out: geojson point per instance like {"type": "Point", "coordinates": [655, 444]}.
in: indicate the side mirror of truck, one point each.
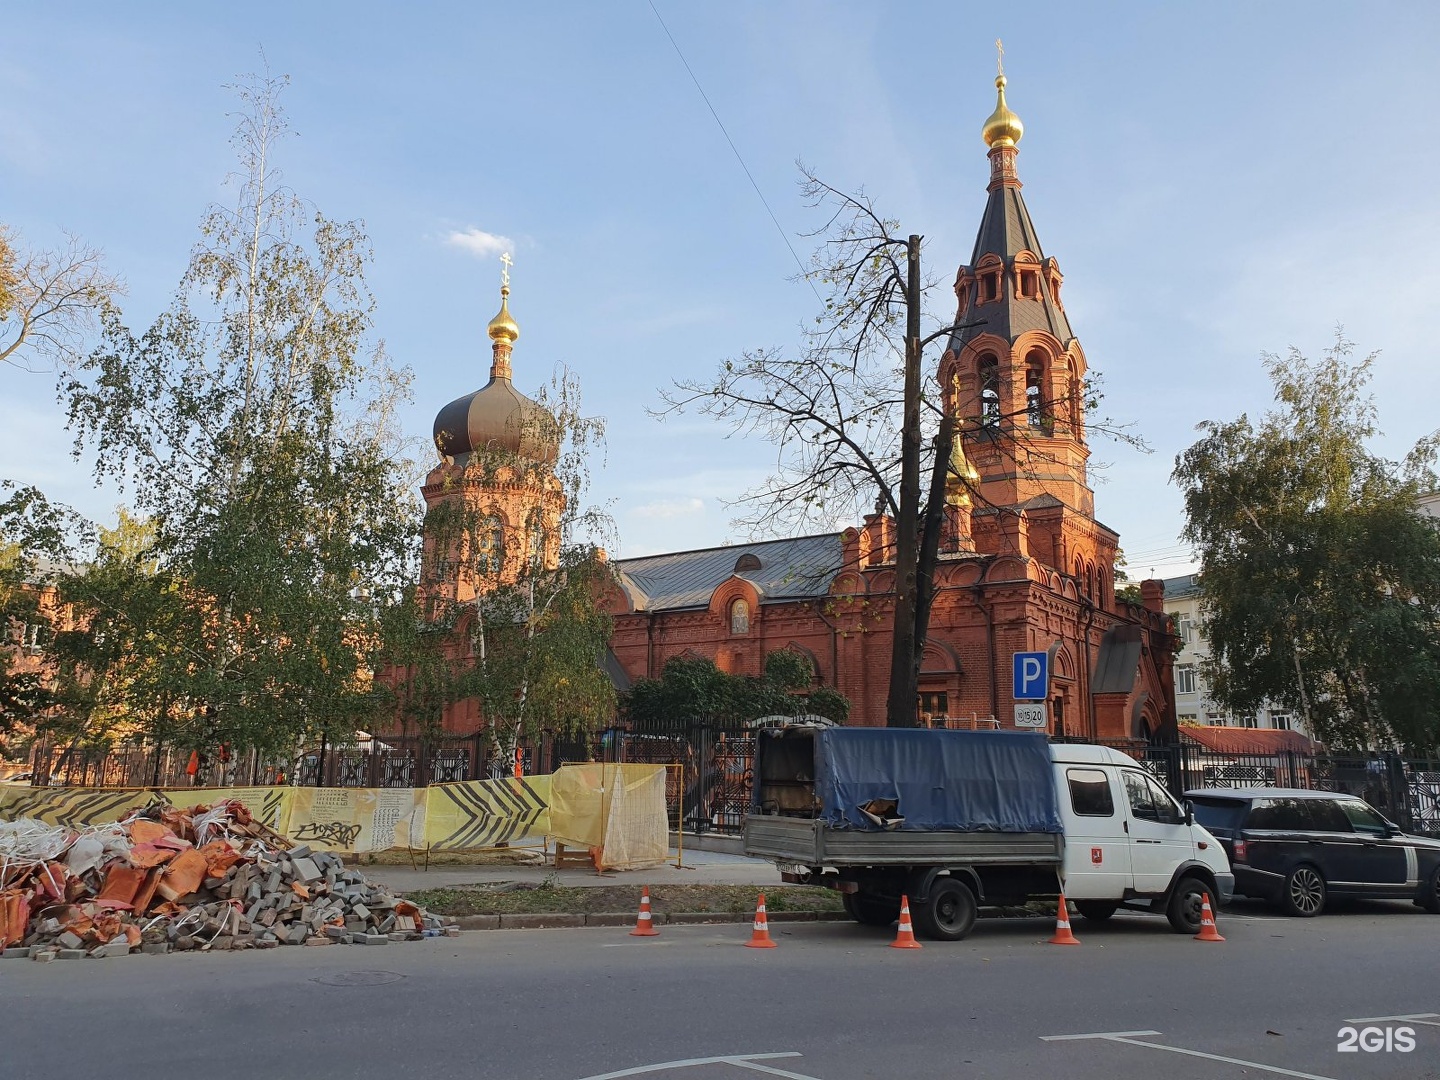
{"type": "Point", "coordinates": [1189, 812]}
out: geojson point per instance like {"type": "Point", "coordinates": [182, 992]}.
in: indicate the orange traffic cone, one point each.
{"type": "Point", "coordinates": [1063, 936]}
{"type": "Point", "coordinates": [760, 939]}
{"type": "Point", "coordinates": [644, 924]}
{"type": "Point", "coordinates": [1207, 921]}
{"type": "Point", "coordinates": [905, 938]}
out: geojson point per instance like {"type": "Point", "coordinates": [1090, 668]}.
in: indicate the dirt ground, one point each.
{"type": "Point", "coordinates": [513, 898]}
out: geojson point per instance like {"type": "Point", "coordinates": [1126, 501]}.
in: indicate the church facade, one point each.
{"type": "Point", "coordinates": [1025, 566]}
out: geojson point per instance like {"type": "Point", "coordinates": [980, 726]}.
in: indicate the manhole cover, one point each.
{"type": "Point", "coordinates": [358, 978]}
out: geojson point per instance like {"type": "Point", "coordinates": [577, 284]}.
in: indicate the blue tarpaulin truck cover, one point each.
{"type": "Point", "coordinates": [963, 781]}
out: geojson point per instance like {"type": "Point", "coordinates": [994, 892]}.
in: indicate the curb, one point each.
{"type": "Point", "coordinates": [558, 920]}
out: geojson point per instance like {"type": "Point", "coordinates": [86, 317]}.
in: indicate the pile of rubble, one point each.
{"type": "Point", "coordinates": [210, 877]}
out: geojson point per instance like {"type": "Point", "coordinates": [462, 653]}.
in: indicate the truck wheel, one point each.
{"type": "Point", "coordinates": [1304, 892]}
{"type": "Point", "coordinates": [1095, 910]}
{"type": "Point", "coordinates": [949, 914]}
{"type": "Point", "coordinates": [870, 910]}
{"type": "Point", "coordinates": [1183, 911]}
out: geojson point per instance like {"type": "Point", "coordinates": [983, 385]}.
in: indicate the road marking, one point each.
{"type": "Point", "coordinates": [1429, 1019]}
{"type": "Point", "coordinates": [1127, 1038]}
{"type": "Point", "coordinates": [773, 1072]}
{"type": "Point", "coordinates": [1096, 1035]}
{"type": "Point", "coordinates": [744, 1061]}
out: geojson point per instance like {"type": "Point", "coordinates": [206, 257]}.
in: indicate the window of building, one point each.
{"type": "Point", "coordinates": [1090, 793]}
{"type": "Point", "coordinates": [1189, 718]}
{"type": "Point", "coordinates": [989, 390]}
{"type": "Point", "coordinates": [1280, 720]}
{"type": "Point", "coordinates": [933, 705]}
{"type": "Point", "coordinates": [490, 549]}
{"type": "Point", "coordinates": [1035, 410]}
{"type": "Point", "coordinates": [1074, 381]}
{"type": "Point", "coordinates": [990, 287]}
{"type": "Point", "coordinates": [1030, 284]}
{"type": "Point", "coordinates": [1184, 678]}
{"type": "Point", "coordinates": [740, 616]}
{"type": "Point", "coordinates": [1185, 627]}
{"type": "Point", "coordinates": [1249, 722]}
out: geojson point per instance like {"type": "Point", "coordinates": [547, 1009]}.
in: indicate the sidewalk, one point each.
{"type": "Point", "coordinates": [700, 868]}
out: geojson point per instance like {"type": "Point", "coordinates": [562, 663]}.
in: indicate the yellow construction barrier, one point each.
{"type": "Point", "coordinates": [617, 811]}
{"type": "Point", "coordinates": [486, 813]}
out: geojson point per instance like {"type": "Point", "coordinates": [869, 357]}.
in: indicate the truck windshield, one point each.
{"type": "Point", "coordinates": [1219, 815]}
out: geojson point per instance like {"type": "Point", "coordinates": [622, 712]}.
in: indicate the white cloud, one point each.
{"type": "Point", "coordinates": [670, 508]}
{"type": "Point", "coordinates": [478, 242]}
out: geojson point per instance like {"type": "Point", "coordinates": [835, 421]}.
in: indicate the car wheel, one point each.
{"type": "Point", "coordinates": [1186, 898]}
{"type": "Point", "coordinates": [949, 913]}
{"type": "Point", "coordinates": [1430, 898]}
{"type": "Point", "coordinates": [1095, 910]}
{"type": "Point", "coordinates": [870, 910]}
{"type": "Point", "coordinates": [1304, 892]}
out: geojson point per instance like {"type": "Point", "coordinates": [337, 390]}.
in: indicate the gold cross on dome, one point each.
{"type": "Point", "coordinates": [505, 273]}
{"type": "Point", "coordinates": [999, 57]}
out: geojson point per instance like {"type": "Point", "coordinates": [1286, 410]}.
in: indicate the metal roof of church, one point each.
{"type": "Point", "coordinates": [790, 569]}
{"type": "Point", "coordinates": [1006, 230]}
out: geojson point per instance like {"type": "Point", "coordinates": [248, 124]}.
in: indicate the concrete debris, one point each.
{"type": "Point", "coordinates": [166, 879]}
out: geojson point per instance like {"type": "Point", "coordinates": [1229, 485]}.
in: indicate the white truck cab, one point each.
{"type": "Point", "coordinates": [1128, 841]}
{"type": "Point", "coordinates": [957, 820]}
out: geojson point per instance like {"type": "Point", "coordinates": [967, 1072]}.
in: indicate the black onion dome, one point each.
{"type": "Point", "coordinates": [497, 417]}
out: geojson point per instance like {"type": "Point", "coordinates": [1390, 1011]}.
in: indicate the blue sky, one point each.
{"type": "Point", "coordinates": [1215, 180]}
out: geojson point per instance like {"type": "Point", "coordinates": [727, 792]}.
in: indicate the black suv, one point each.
{"type": "Point", "coordinates": [1294, 848]}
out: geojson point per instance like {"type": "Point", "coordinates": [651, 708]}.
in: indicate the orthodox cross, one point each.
{"type": "Point", "coordinates": [505, 273]}
{"type": "Point", "coordinates": [999, 57]}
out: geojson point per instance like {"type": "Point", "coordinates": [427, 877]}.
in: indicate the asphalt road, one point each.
{"type": "Point", "coordinates": [832, 999]}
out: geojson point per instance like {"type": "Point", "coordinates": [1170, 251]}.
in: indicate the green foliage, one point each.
{"type": "Point", "coordinates": [692, 689]}
{"type": "Point", "coordinates": [789, 670]}
{"type": "Point", "coordinates": [1320, 577]}
{"type": "Point", "coordinates": [254, 422]}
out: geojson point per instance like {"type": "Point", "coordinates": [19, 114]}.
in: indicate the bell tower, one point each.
{"type": "Point", "coordinates": [1016, 378]}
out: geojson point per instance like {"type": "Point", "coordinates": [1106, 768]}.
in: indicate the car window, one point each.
{"type": "Point", "coordinates": [1167, 810]}
{"type": "Point", "coordinates": [1329, 817]}
{"type": "Point", "coordinates": [1224, 815]}
{"type": "Point", "coordinates": [1090, 793]}
{"type": "Point", "coordinates": [1281, 815]}
{"type": "Point", "coordinates": [1362, 818]}
{"type": "Point", "coordinates": [1142, 804]}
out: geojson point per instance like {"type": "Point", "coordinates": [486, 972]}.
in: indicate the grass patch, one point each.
{"type": "Point", "coordinates": [545, 898]}
{"type": "Point", "coordinates": [472, 857]}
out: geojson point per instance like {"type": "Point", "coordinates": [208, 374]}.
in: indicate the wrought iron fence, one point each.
{"type": "Point", "coordinates": [1405, 791]}
{"type": "Point", "coordinates": [383, 762]}
{"type": "Point", "coordinates": [710, 792]}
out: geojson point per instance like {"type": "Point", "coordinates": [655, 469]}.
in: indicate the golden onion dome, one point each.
{"type": "Point", "coordinates": [1003, 128]}
{"type": "Point", "coordinates": [502, 327]}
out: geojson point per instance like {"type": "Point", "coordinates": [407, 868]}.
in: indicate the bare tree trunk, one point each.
{"type": "Point", "coordinates": [904, 668]}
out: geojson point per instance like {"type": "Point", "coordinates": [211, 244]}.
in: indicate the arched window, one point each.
{"type": "Point", "coordinates": [989, 390]}
{"type": "Point", "coordinates": [1075, 417]}
{"type": "Point", "coordinates": [1034, 390]}
{"type": "Point", "coordinates": [535, 535]}
{"type": "Point", "coordinates": [739, 616]}
{"type": "Point", "coordinates": [490, 546]}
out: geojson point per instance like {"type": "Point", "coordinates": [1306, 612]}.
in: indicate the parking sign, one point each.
{"type": "Point", "coordinates": [1032, 676]}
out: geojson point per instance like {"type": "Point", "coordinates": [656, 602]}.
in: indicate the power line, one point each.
{"type": "Point", "coordinates": [778, 228]}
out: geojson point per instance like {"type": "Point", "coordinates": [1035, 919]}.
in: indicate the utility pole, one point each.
{"type": "Point", "coordinates": [900, 709]}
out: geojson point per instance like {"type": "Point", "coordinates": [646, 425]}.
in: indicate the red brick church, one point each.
{"type": "Point", "coordinates": [1025, 564]}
